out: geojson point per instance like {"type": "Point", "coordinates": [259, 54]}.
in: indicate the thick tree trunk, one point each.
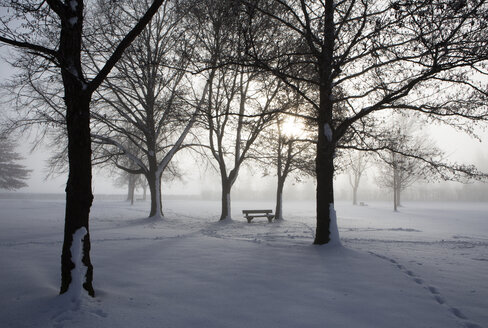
{"type": "Point", "coordinates": [226, 206]}
{"type": "Point", "coordinates": [155, 190]}
{"type": "Point", "coordinates": [354, 195]}
{"type": "Point", "coordinates": [79, 195]}
{"type": "Point", "coordinates": [324, 162]}
{"type": "Point", "coordinates": [325, 192]}
{"type": "Point", "coordinates": [279, 199]}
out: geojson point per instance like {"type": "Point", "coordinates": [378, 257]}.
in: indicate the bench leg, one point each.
{"type": "Point", "coordinates": [270, 218]}
{"type": "Point", "coordinates": [249, 219]}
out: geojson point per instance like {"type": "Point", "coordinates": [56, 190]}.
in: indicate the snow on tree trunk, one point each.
{"type": "Point", "coordinates": [79, 270]}
{"type": "Point", "coordinates": [334, 230]}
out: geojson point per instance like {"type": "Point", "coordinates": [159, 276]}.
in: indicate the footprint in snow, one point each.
{"type": "Point", "coordinates": [418, 281]}
{"type": "Point", "coordinates": [457, 313]}
{"type": "Point", "coordinates": [439, 299]}
{"type": "Point", "coordinates": [100, 313]}
{"type": "Point", "coordinates": [432, 290]}
{"type": "Point", "coordinates": [472, 325]}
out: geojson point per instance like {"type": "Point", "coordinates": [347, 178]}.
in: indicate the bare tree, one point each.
{"type": "Point", "coordinates": [292, 156]}
{"type": "Point", "coordinates": [408, 157]}
{"type": "Point", "coordinates": [357, 163]}
{"type": "Point", "coordinates": [353, 59]}
{"type": "Point", "coordinates": [285, 150]}
{"type": "Point", "coordinates": [52, 31]}
{"type": "Point", "coordinates": [231, 134]}
{"type": "Point", "coordinates": [143, 115]}
{"type": "Point", "coordinates": [238, 99]}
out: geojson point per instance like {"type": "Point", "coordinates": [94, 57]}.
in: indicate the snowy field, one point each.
{"type": "Point", "coordinates": [426, 266]}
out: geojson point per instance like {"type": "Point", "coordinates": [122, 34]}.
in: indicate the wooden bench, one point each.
{"type": "Point", "coordinates": [251, 214]}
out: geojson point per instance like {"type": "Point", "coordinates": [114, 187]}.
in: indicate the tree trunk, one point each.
{"type": "Point", "coordinates": [79, 195]}
{"type": "Point", "coordinates": [355, 195]}
{"type": "Point", "coordinates": [325, 193]}
{"type": "Point", "coordinates": [279, 199]}
{"type": "Point", "coordinates": [226, 210]}
{"type": "Point", "coordinates": [398, 197]}
{"type": "Point", "coordinates": [132, 188]}
{"type": "Point", "coordinates": [155, 189]}
{"type": "Point", "coordinates": [324, 165]}
{"type": "Point", "coordinates": [395, 189]}
{"type": "Point", "coordinates": [395, 209]}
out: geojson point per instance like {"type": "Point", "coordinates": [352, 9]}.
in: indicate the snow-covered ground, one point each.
{"type": "Point", "coordinates": [426, 266]}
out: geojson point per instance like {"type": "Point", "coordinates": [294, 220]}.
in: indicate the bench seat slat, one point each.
{"type": "Point", "coordinates": [256, 211]}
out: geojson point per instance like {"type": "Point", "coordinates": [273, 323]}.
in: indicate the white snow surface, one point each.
{"type": "Point", "coordinates": [425, 266]}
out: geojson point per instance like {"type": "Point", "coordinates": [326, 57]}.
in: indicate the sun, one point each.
{"type": "Point", "coordinates": [292, 127]}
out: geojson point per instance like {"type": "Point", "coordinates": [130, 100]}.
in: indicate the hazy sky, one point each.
{"type": "Point", "coordinates": [459, 147]}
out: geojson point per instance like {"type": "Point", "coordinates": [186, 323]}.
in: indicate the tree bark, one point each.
{"type": "Point", "coordinates": [325, 192]}
{"type": "Point", "coordinates": [79, 195]}
{"type": "Point", "coordinates": [279, 199]}
{"type": "Point", "coordinates": [326, 139]}
{"type": "Point", "coordinates": [226, 207]}
{"type": "Point", "coordinates": [155, 190]}
{"type": "Point", "coordinates": [131, 188]}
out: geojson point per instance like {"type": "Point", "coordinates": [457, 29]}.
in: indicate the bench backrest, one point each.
{"type": "Point", "coordinates": [256, 211]}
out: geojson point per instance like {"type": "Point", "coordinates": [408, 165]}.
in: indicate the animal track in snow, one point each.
{"type": "Point", "coordinates": [432, 290]}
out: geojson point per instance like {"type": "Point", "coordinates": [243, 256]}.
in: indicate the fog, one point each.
{"type": "Point", "coordinates": [200, 181]}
